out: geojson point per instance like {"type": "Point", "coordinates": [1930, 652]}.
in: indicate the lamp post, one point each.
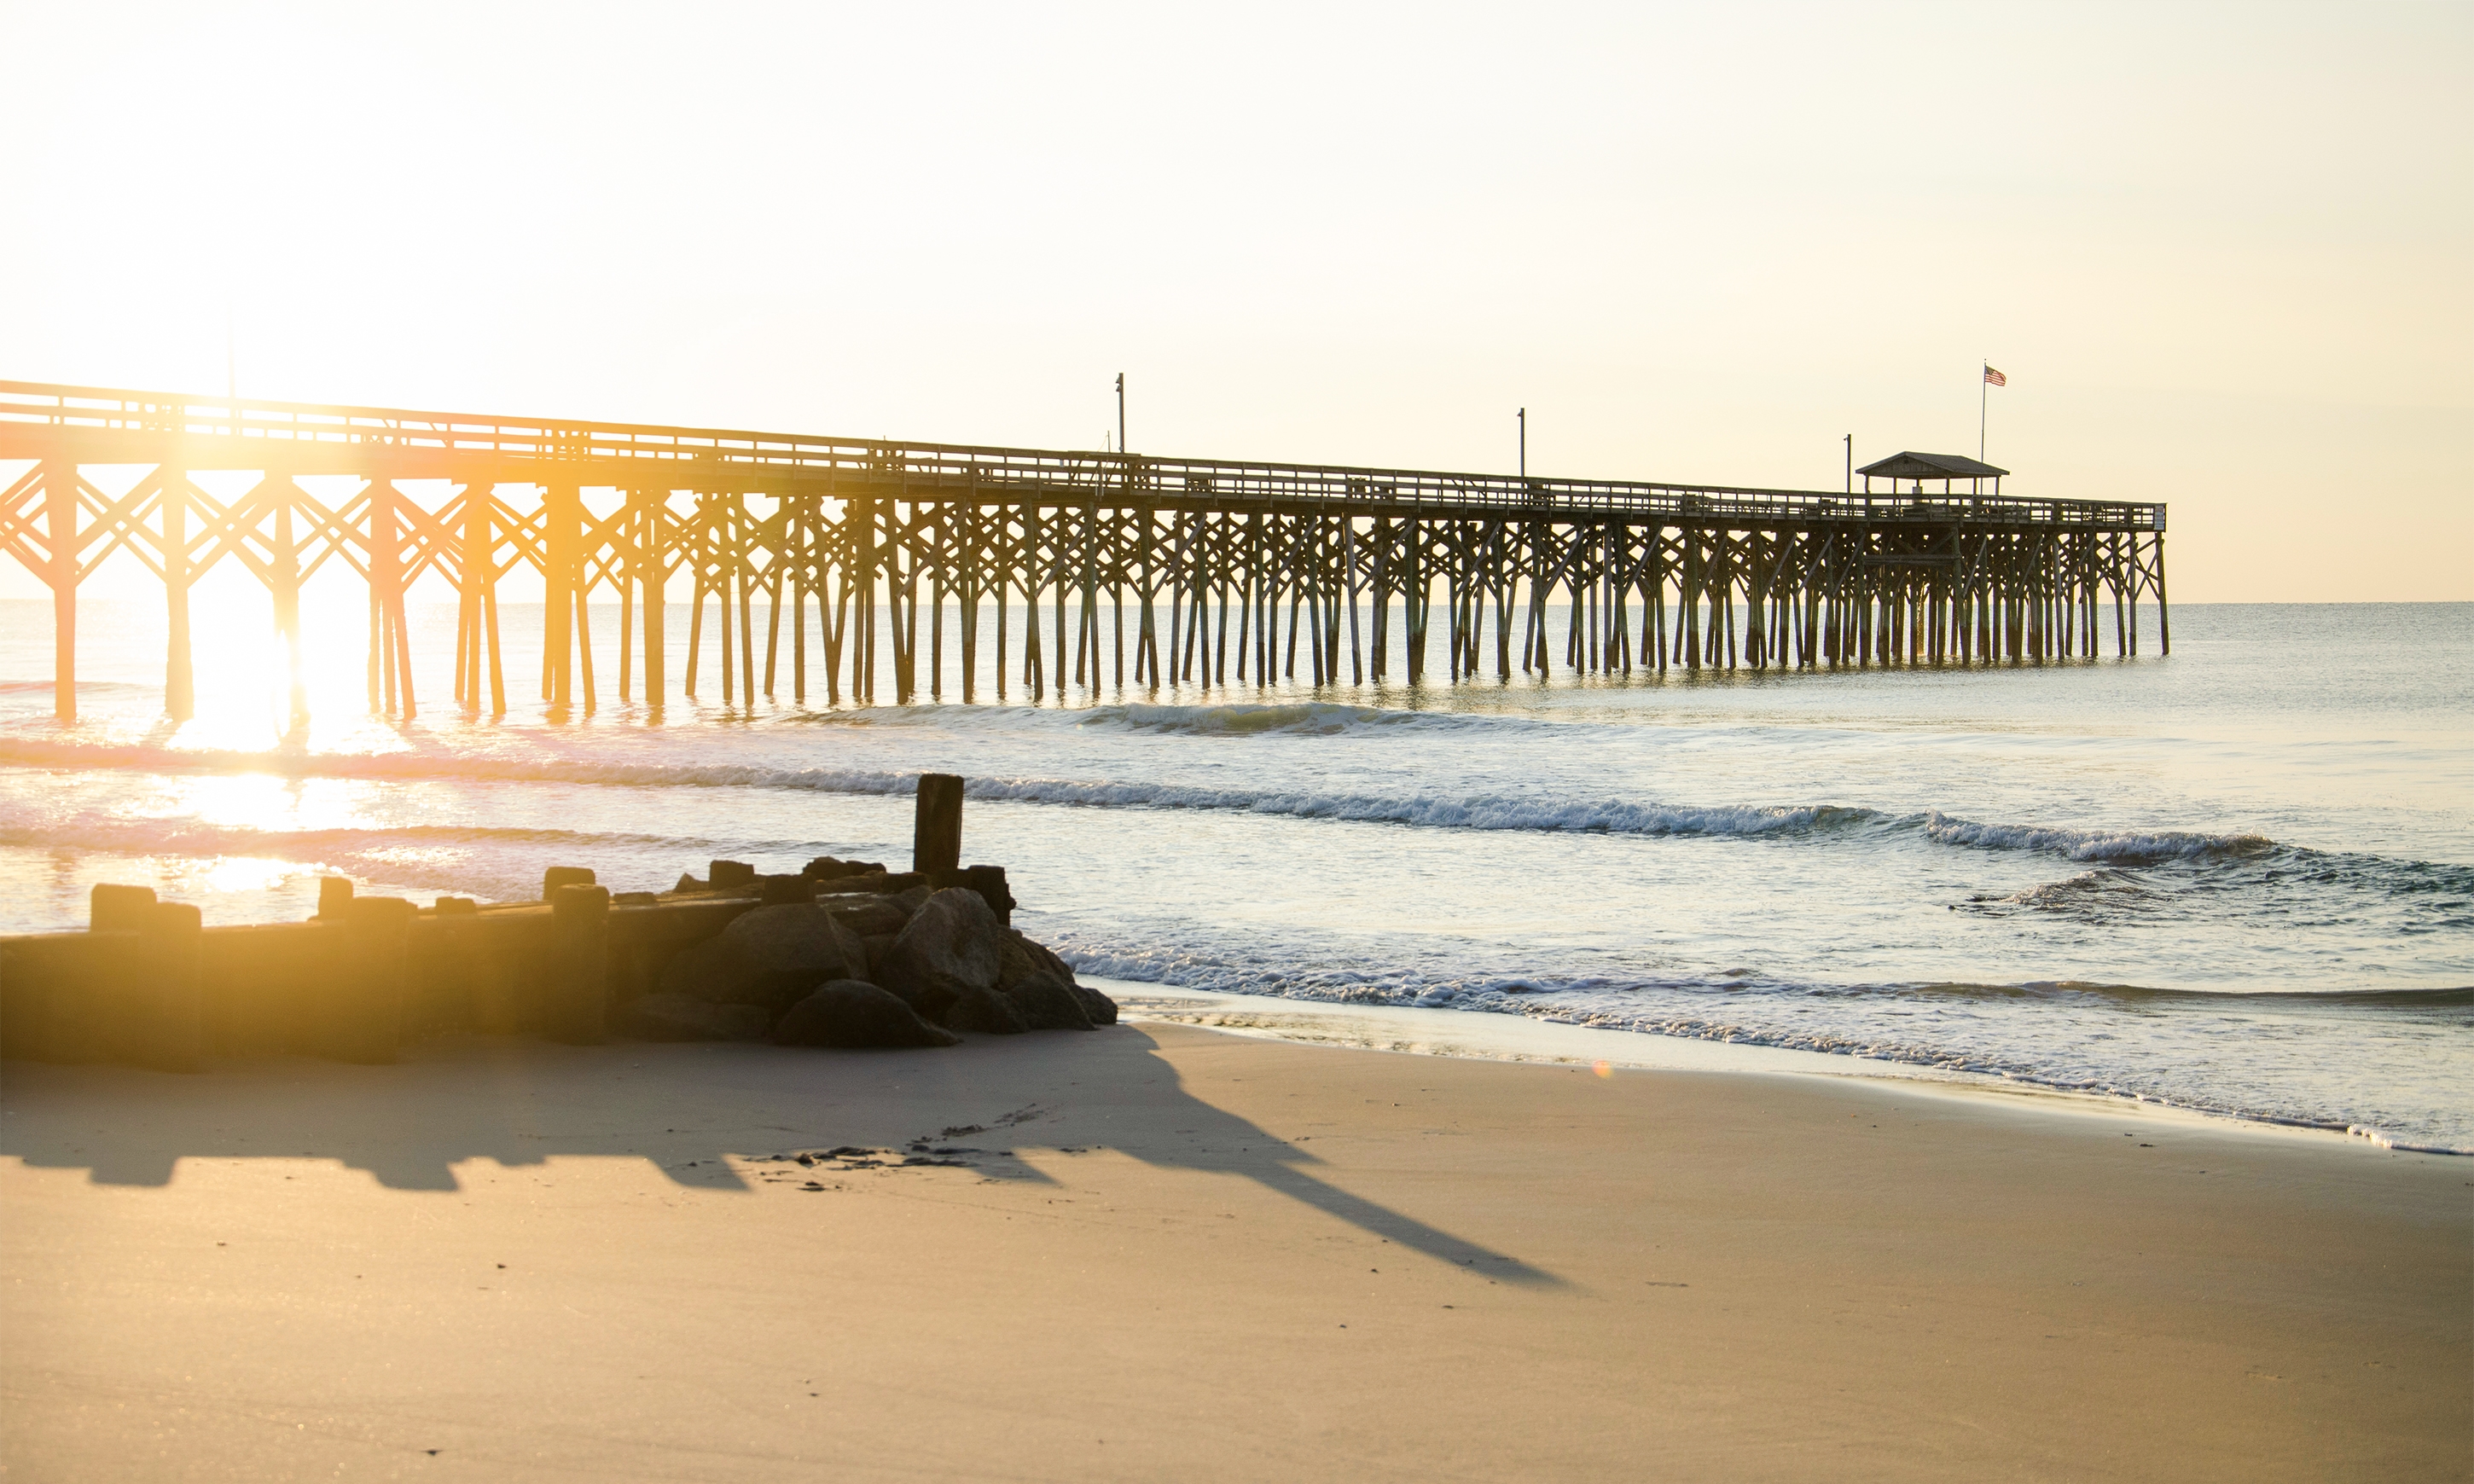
{"type": "Point", "coordinates": [1523, 415]}
{"type": "Point", "coordinates": [1121, 412]}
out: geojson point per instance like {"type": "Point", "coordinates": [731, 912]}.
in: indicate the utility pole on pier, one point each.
{"type": "Point", "coordinates": [1524, 443]}
{"type": "Point", "coordinates": [1121, 412]}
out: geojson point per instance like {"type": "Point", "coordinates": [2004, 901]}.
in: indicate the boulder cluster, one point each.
{"type": "Point", "coordinates": [865, 967]}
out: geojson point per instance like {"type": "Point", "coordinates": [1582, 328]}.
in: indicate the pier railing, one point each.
{"type": "Point", "coordinates": [44, 419]}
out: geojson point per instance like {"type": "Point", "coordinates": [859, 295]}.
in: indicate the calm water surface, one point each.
{"type": "Point", "coordinates": [2240, 878]}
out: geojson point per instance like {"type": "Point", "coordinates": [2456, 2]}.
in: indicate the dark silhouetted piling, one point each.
{"type": "Point", "coordinates": [936, 833]}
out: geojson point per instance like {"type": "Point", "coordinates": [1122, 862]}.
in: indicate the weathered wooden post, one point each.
{"type": "Point", "coordinates": [936, 837]}
{"type": "Point", "coordinates": [143, 1001]}
{"type": "Point", "coordinates": [576, 994]}
{"type": "Point", "coordinates": [442, 963]}
{"type": "Point", "coordinates": [55, 993]}
{"type": "Point", "coordinates": [118, 909]}
{"type": "Point", "coordinates": [363, 1013]}
{"type": "Point", "coordinates": [166, 1009]}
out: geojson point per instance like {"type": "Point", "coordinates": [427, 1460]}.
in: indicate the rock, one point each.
{"type": "Point", "coordinates": [784, 951]}
{"type": "Point", "coordinates": [1021, 960]}
{"type": "Point", "coordinates": [988, 1012]}
{"type": "Point", "coordinates": [1018, 958]}
{"type": "Point", "coordinates": [950, 945]}
{"type": "Point", "coordinates": [1055, 965]}
{"type": "Point", "coordinates": [846, 1013]}
{"type": "Point", "coordinates": [776, 891]}
{"type": "Point", "coordinates": [688, 882]}
{"type": "Point", "coordinates": [1047, 1004]}
{"type": "Point", "coordinates": [1102, 1010]}
{"type": "Point", "coordinates": [683, 1018]}
{"type": "Point", "coordinates": [824, 868]}
{"type": "Point", "coordinates": [870, 916]}
{"type": "Point", "coordinates": [877, 944]}
{"type": "Point", "coordinates": [728, 873]}
{"type": "Point", "coordinates": [792, 936]}
{"type": "Point", "coordinates": [769, 957]}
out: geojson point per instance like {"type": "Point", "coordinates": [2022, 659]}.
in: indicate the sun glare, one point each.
{"type": "Point", "coordinates": [246, 674]}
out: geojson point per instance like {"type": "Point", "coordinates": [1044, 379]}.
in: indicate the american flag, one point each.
{"type": "Point", "coordinates": [1996, 377]}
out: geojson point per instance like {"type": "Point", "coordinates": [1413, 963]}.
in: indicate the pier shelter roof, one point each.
{"type": "Point", "coordinates": [1931, 465]}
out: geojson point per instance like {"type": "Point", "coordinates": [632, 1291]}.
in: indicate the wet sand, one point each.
{"type": "Point", "coordinates": [1169, 1252]}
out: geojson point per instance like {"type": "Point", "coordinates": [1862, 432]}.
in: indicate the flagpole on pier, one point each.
{"type": "Point", "coordinates": [1986, 382]}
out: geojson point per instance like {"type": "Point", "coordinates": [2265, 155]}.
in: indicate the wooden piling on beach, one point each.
{"type": "Point", "coordinates": [575, 991]}
{"type": "Point", "coordinates": [937, 835]}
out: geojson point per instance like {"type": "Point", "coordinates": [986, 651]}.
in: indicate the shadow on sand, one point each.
{"type": "Point", "coordinates": [697, 1114]}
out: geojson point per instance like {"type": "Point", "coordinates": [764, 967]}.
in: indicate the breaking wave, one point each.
{"type": "Point", "coordinates": [1436, 810]}
{"type": "Point", "coordinates": [1305, 718]}
{"type": "Point", "coordinates": [1231, 719]}
{"type": "Point", "coordinates": [2122, 847]}
{"type": "Point", "coordinates": [2099, 849]}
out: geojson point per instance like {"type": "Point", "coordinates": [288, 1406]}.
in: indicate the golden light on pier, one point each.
{"type": "Point", "coordinates": [1211, 555]}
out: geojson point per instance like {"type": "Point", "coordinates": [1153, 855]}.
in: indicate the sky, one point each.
{"type": "Point", "coordinates": [2223, 253]}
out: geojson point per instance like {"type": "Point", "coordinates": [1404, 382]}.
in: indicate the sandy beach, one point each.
{"type": "Point", "coordinates": [1163, 1252]}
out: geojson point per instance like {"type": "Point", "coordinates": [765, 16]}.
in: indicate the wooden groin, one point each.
{"type": "Point", "coordinates": [147, 984]}
{"type": "Point", "coordinates": [1078, 568]}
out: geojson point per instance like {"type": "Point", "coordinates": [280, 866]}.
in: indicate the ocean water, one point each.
{"type": "Point", "coordinates": [2238, 879]}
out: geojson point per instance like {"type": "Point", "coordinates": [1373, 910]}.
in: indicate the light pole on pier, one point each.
{"type": "Point", "coordinates": [1524, 443]}
{"type": "Point", "coordinates": [1121, 412]}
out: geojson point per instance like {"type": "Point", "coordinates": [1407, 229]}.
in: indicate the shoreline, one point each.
{"type": "Point", "coordinates": [1489, 1036]}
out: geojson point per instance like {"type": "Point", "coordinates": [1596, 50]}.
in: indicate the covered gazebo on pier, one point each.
{"type": "Point", "coordinates": [1947, 468]}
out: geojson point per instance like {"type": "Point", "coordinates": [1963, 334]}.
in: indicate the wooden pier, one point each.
{"type": "Point", "coordinates": [1065, 568]}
